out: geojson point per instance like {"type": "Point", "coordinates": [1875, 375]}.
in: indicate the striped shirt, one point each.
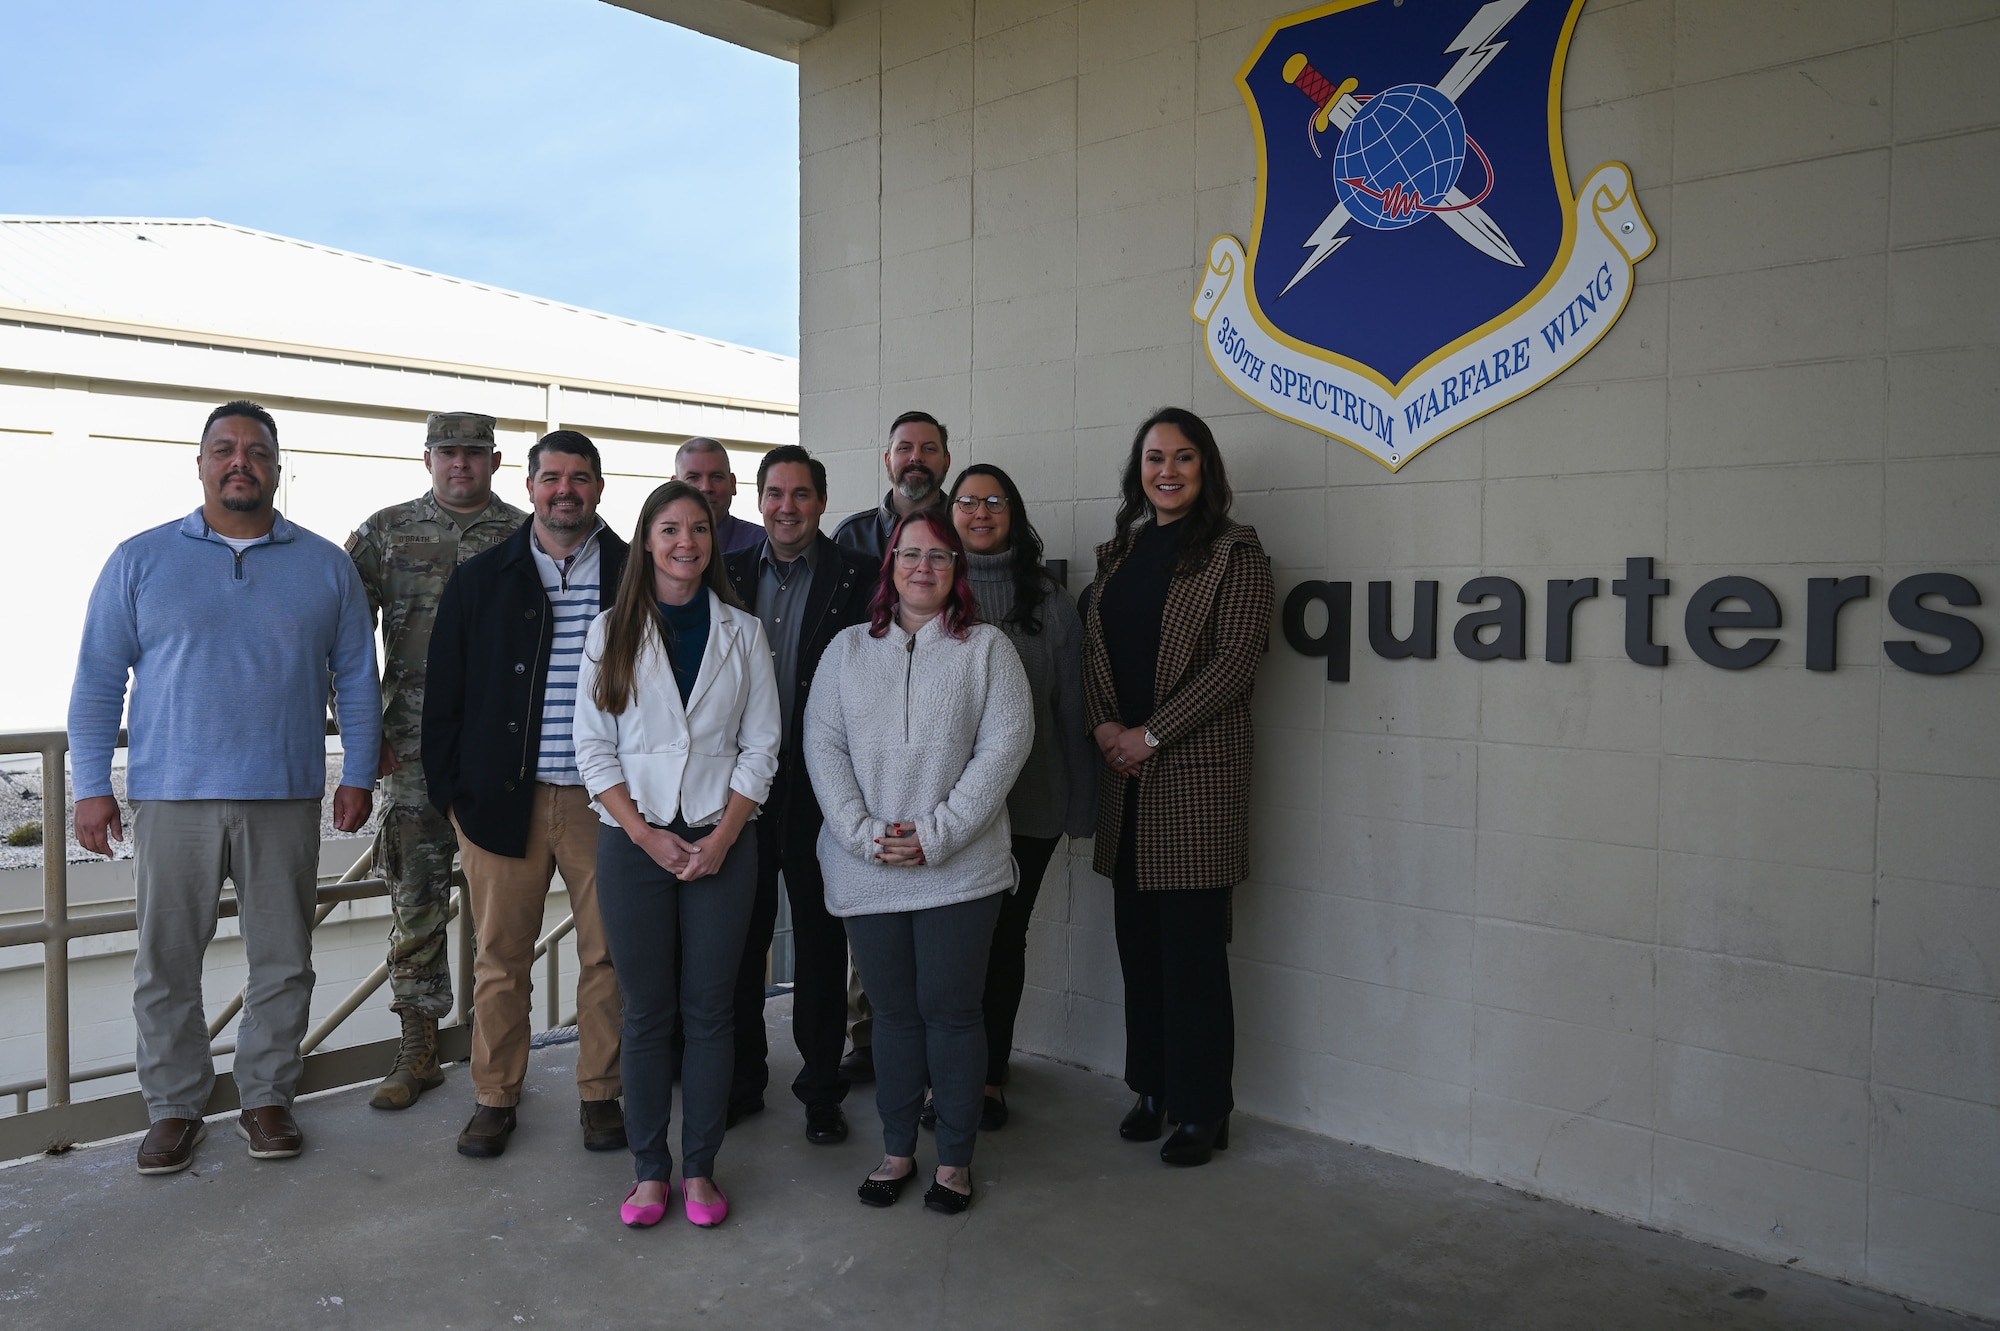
{"type": "Point", "coordinates": [572, 585]}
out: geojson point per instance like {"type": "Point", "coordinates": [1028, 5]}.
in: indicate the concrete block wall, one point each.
{"type": "Point", "coordinates": [1718, 951]}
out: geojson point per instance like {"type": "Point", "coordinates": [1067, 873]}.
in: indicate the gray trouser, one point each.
{"type": "Point", "coordinates": [182, 850]}
{"type": "Point", "coordinates": [926, 971]}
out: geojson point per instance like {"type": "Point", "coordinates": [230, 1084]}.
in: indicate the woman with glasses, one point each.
{"type": "Point", "coordinates": [677, 732]}
{"type": "Point", "coordinates": [1176, 624]}
{"type": "Point", "coordinates": [916, 727]}
{"type": "Point", "coordinates": [1056, 793]}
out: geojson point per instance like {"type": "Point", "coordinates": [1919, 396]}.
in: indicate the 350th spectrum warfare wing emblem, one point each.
{"type": "Point", "coordinates": [1418, 259]}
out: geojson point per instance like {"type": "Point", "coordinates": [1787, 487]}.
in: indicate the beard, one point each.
{"type": "Point", "coordinates": [916, 484]}
{"type": "Point", "coordinates": [556, 520]}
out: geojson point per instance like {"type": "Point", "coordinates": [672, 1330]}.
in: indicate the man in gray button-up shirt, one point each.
{"type": "Point", "coordinates": [805, 589]}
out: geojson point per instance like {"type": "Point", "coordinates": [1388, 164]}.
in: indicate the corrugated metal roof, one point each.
{"type": "Point", "coordinates": [203, 276]}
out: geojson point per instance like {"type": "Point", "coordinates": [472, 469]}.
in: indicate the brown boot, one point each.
{"type": "Point", "coordinates": [416, 1069]}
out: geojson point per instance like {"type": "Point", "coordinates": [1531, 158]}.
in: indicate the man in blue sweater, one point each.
{"type": "Point", "coordinates": [230, 624]}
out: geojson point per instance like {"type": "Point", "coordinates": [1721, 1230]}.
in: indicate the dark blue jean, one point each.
{"type": "Point", "coordinates": [675, 947]}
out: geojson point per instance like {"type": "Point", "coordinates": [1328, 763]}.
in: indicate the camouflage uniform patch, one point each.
{"type": "Point", "coordinates": [404, 555]}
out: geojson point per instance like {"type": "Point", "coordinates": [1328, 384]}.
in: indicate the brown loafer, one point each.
{"type": "Point", "coordinates": [486, 1135]}
{"type": "Point", "coordinates": [169, 1145]}
{"type": "Point", "coordinates": [603, 1125]}
{"type": "Point", "coordinates": [271, 1132]}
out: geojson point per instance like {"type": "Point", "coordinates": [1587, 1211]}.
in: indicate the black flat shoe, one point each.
{"type": "Point", "coordinates": [993, 1114]}
{"type": "Point", "coordinates": [1195, 1143]}
{"type": "Point", "coordinates": [945, 1201]}
{"type": "Point", "coordinates": [1145, 1121]}
{"type": "Point", "coordinates": [880, 1192]}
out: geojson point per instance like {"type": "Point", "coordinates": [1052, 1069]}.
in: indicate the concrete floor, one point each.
{"type": "Point", "coordinates": [380, 1225]}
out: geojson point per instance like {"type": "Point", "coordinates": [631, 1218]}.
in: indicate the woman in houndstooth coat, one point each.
{"type": "Point", "coordinates": [1175, 625]}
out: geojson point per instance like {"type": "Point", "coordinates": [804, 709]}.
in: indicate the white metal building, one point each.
{"type": "Point", "coordinates": [117, 335]}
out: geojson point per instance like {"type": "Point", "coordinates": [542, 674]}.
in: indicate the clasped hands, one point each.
{"type": "Point", "coordinates": [900, 846]}
{"type": "Point", "coordinates": [687, 860]}
{"type": "Point", "coordinates": [1123, 748]}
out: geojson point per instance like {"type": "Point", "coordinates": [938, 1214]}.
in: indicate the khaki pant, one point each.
{"type": "Point", "coordinates": [508, 898]}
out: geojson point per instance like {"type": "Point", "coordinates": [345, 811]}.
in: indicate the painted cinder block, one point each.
{"type": "Point", "coordinates": [928, 280]}
{"type": "Point", "coordinates": [838, 238]}
{"type": "Point", "coordinates": [1780, 712]}
{"type": "Point", "coordinates": [1759, 1009]}
{"type": "Point", "coordinates": [1940, 934]}
{"type": "Point", "coordinates": [1563, 1065]}
{"type": "Point", "coordinates": [1588, 794]}
{"type": "Point", "coordinates": [925, 218]}
{"type": "Point", "coordinates": [924, 346]}
{"type": "Point", "coordinates": [843, 175]}
{"type": "Point", "coordinates": [1390, 1110]}
{"type": "Point", "coordinates": [1934, 303]}
{"type": "Point", "coordinates": [1571, 429]}
{"type": "Point", "coordinates": [1589, 887]}
{"type": "Point", "coordinates": [1832, 309]}
{"type": "Point", "coordinates": [914, 29]}
{"type": "Point", "coordinates": [1401, 777]}
{"type": "Point", "coordinates": [1383, 859]}
{"type": "Point", "coordinates": [1937, 1041]}
{"type": "Point", "coordinates": [1619, 52]}
{"type": "Point", "coordinates": [1943, 511]}
{"type": "Point", "coordinates": [1027, 331]}
{"type": "Point", "coordinates": [1569, 976]}
{"type": "Point", "coordinates": [1277, 924]}
{"type": "Point", "coordinates": [1769, 1110]}
{"type": "Point", "coordinates": [1040, 192]}
{"type": "Point", "coordinates": [1279, 1004]}
{"type": "Point", "coordinates": [1716, 38]}
{"type": "Point", "coordinates": [1940, 829]}
{"type": "Point", "coordinates": [1943, 81]}
{"type": "Point", "coordinates": [1401, 1029]}
{"type": "Point", "coordinates": [1638, 131]}
{"type": "Point", "coordinates": [1153, 163]}
{"type": "Point", "coordinates": [1601, 518]}
{"type": "Point", "coordinates": [1381, 942]}
{"type": "Point", "coordinates": [1562, 1154]}
{"type": "Point", "coordinates": [1023, 399]}
{"type": "Point", "coordinates": [1767, 1208]}
{"type": "Point", "coordinates": [1937, 398]}
{"type": "Point", "coordinates": [1816, 108]}
{"type": "Point", "coordinates": [840, 298]}
{"type": "Point", "coordinates": [1944, 1250]}
{"type": "Point", "coordinates": [1028, 262]}
{"type": "Point", "coordinates": [1829, 411]}
{"type": "Point", "coordinates": [1040, 51]}
{"type": "Point", "coordinates": [848, 51]}
{"type": "Point", "coordinates": [1820, 918]}
{"type": "Point", "coordinates": [840, 115]}
{"type": "Point", "coordinates": [933, 88]}
{"type": "Point", "coordinates": [1951, 728]}
{"type": "Point", "coordinates": [1026, 125]}
{"type": "Point", "coordinates": [1124, 387]}
{"type": "Point", "coordinates": [1132, 242]}
{"type": "Point", "coordinates": [1137, 313]}
{"type": "Point", "coordinates": [924, 155]}
{"type": "Point", "coordinates": [1112, 31]}
{"type": "Point", "coordinates": [1931, 1146]}
{"type": "Point", "coordinates": [1136, 93]}
{"type": "Point", "coordinates": [1598, 701]}
{"type": "Point", "coordinates": [1435, 698]}
{"type": "Point", "coordinates": [1800, 212]}
{"type": "Point", "coordinates": [839, 357]}
{"type": "Point", "coordinates": [1818, 816]}
{"type": "Point", "coordinates": [1412, 524]}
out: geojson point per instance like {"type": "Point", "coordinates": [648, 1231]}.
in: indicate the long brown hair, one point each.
{"type": "Point", "coordinates": [1210, 517]}
{"type": "Point", "coordinates": [636, 612]}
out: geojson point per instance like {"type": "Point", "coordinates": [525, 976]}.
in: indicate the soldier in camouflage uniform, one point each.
{"type": "Point", "coordinates": [404, 554]}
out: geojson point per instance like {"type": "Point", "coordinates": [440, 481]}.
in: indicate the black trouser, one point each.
{"type": "Point", "coordinates": [1007, 964]}
{"type": "Point", "coordinates": [1180, 1020]}
{"type": "Point", "coordinates": [819, 971]}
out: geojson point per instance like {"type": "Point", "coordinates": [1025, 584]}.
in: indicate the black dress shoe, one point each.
{"type": "Point", "coordinates": [1145, 1121]}
{"type": "Point", "coordinates": [993, 1114]}
{"type": "Point", "coordinates": [825, 1125]}
{"type": "Point", "coordinates": [1195, 1143]}
{"type": "Point", "coordinates": [743, 1107]}
{"type": "Point", "coordinates": [943, 1200]}
{"type": "Point", "coordinates": [880, 1192]}
{"type": "Point", "coordinates": [859, 1066]}
{"type": "Point", "coordinates": [486, 1135]}
{"type": "Point", "coordinates": [603, 1125]}
{"type": "Point", "coordinates": [927, 1116]}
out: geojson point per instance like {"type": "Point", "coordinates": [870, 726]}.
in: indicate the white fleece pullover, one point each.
{"type": "Point", "coordinates": [929, 730]}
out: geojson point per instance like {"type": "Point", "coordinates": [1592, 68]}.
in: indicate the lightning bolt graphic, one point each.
{"type": "Point", "coordinates": [1478, 44]}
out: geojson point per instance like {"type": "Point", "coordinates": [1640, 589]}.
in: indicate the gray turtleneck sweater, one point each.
{"type": "Point", "coordinates": [1057, 790]}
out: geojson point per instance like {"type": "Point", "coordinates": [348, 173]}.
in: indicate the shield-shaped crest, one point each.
{"type": "Point", "coordinates": [1418, 258]}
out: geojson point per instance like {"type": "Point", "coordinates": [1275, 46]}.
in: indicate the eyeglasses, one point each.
{"type": "Point", "coordinates": [909, 556]}
{"type": "Point", "coordinates": [970, 503]}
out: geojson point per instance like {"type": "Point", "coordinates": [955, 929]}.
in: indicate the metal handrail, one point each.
{"type": "Point", "coordinates": [54, 930]}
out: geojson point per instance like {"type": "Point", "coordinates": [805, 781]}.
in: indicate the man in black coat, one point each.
{"type": "Point", "coordinates": [500, 762]}
{"type": "Point", "coordinates": [805, 589]}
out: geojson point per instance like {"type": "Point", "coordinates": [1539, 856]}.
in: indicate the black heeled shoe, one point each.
{"type": "Point", "coordinates": [1196, 1143]}
{"type": "Point", "coordinates": [1145, 1120]}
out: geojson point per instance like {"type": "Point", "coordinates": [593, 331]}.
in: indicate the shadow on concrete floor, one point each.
{"type": "Point", "coordinates": [381, 1225]}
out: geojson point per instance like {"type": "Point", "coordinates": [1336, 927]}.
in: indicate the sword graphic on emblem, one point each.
{"type": "Point", "coordinates": [1379, 132]}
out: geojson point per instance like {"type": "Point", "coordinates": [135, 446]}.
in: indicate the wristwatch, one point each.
{"type": "Point", "coordinates": [1152, 740]}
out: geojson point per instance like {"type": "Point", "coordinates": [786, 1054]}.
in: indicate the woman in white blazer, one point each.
{"type": "Point", "coordinates": [677, 733]}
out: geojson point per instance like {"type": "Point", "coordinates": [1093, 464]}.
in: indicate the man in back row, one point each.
{"type": "Point", "coordinates": [704, 463]}
{"type": "Point", "coordinates": [230, 623]}
{"type": "Point", "coordinates": [404, 555]}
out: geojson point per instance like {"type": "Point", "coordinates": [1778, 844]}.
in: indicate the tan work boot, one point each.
{"type": "Point", "coordinates": [416, 1069]}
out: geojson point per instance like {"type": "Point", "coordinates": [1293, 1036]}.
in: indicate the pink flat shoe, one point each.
{"type": "Point", "coordinates": [703, 1214]}
{"type": "Point", "coordinates": [641, 1217]}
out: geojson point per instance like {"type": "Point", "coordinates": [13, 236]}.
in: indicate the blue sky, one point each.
{"type": "Point", "coordinates": [564, 148]}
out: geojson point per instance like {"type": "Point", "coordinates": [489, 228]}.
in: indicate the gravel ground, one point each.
{"type": "Point", "coordinates": [21, 802]}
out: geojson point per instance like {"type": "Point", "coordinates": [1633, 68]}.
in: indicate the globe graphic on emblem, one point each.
{"type": "Point", "coordinates": [1406, 146]}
